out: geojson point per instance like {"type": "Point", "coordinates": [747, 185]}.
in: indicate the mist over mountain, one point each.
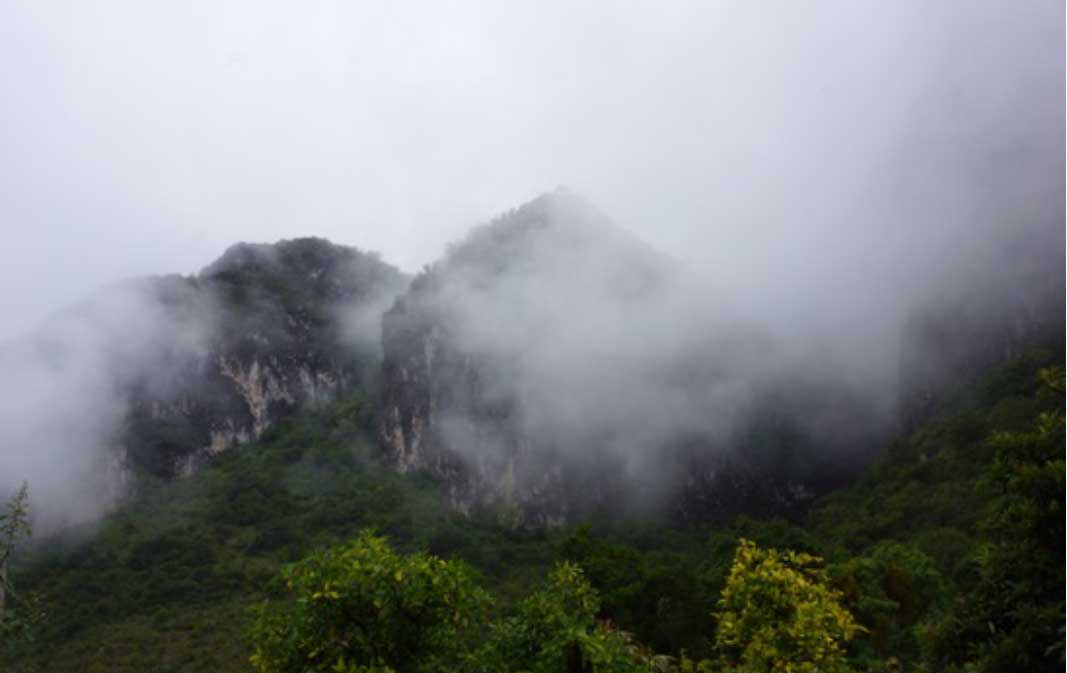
{"type": "Point", "coordinates": [552, 363]}
{"type": "Point", "coordinates": [831, 200]}
{"type": "Point", "coordinates": [147, 378]}
{"type": "Point", "coordinates": [550, 367]}
{"type": "Point", "coordinates": [309, 365]}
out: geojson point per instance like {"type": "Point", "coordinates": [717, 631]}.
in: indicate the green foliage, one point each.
{"type": "Point", "coordinates": [777, 613]}
{"type": "Point", "coordinates": [555, 630]}
{"type": "Point", "coordinates": [163, 568]}
{"type": "Point", "coordinates": [14, 527]}
{"type": "Point", "coordinates": [19, 615]}
{"type": "Point", "coordinates": [889, 589]}
{"type": "Point", "coordinates": [15, 521]}
{"type": "Point", "coordinates": [1012, 619]}
{"type": "Point", "coordinates": [953, 530]}
{"type": "Point", "coordinates": [363, 607]}
{"type": "Point", "coordinates": [655, 589]}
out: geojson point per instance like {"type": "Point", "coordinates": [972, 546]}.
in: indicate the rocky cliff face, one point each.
{"type": "Point", "coordinates": [279, 331]}
{"type": "Point", "coordinates": [551, 367]}
{"type": "Point", "coordinates": [452, 373]}
{"type": "Point", "coordinates": [148, 378]}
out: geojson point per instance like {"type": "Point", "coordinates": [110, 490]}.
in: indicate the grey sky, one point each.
{"type": "Point", "coordinates": [787, 147]}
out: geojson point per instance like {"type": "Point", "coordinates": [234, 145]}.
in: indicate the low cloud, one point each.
{"type": "Point", "coordinates": [69, 386]}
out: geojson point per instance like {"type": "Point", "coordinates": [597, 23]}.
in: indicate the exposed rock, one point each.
{"type": "Point", "coordinates": [540, 371]}
{"type": "Point", "coordinates": [277, 343]}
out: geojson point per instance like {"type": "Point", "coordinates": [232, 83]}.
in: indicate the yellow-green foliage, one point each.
{"type": "Point", "coordinates": [362, 607]}
{"type": "Point", "coordinates": [778, 614]}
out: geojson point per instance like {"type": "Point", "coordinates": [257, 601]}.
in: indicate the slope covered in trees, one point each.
{"type": "Point", "coordinates": [947, 552]}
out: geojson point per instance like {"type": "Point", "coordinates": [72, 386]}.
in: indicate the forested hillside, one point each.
{"type": "Point", "coordinates": [947, 552]}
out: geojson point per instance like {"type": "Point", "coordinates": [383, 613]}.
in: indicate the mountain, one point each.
{"type": "Point", "coordinates": [284, 335]}
{"type": "Point", "coordinates": [552, 367]}
{"type": "Point", "coordinates": [551, 390]}
{"type": "Point", "coordinates": [468, 364]}
{"type": "Point", "coordinates": [549, 369]}
{"type": "Point", "coordinates": [165, 581]}
{"type": "Point", "coordinates": [149, 378]}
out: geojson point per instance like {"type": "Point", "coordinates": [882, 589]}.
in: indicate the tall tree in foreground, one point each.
{"type": "Point", "coordinates": [777, 614]}
{"type": "Point", "coordinates": [363, 608]}
{"type": "Point", "coordinates": [19, 614]}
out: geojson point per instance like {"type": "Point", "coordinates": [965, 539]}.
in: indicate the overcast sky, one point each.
{"type": "Point", "coordinates": [759, 139]}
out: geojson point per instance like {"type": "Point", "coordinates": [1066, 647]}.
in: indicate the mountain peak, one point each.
{"type": "Point", "coordinates": [306, 253]}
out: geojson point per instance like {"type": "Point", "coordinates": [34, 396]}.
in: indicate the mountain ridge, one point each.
{"type": "Point", "coordinates": [549, 365]}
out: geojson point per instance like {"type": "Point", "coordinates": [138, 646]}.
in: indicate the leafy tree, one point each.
{"type": "Point", "coordinates": [364, 608]}
{"type": "Point", "coordinates": [778, 614]}
{"type": "Point", "coordinates": [555, 630]}
{"type": "Point", "coordinates": [889, 589]}
{"type": "Point", "coordinates": [14, 526]}
{"type": "Point", "coordinates": [656, 594]}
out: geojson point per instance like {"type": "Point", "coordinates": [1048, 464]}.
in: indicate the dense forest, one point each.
{"type": "Point", "coordinates": [305, 551]}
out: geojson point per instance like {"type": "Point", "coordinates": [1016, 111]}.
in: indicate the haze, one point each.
{"type": "Point", "coordinates": [820, 170]}
{"type": "Point", "coordinates": [790, 149]}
